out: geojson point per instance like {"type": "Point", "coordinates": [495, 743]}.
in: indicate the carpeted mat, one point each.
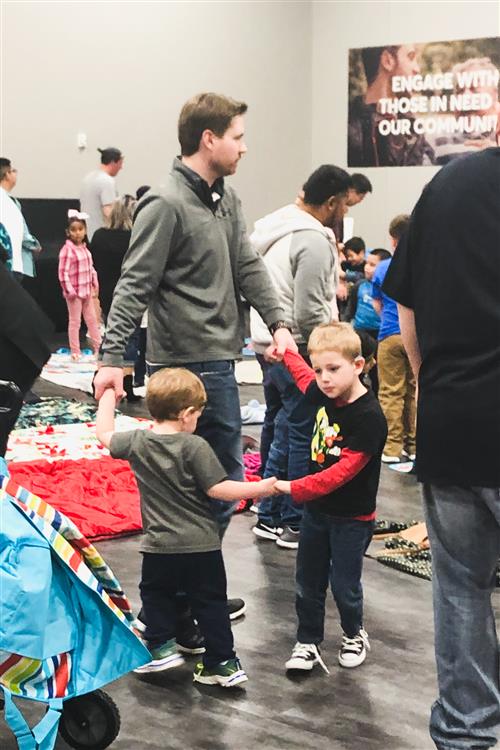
{"type": "Point", "coordinates": [62, 441]}
{"type": "Point", "coordinates": [50, 411]}
{"type": "Point", "coordinates": [60, 369]}
{"type": "Point", "coordinates": [407, 551]}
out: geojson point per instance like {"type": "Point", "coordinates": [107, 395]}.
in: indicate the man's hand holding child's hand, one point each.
{"type": "Point", "coordinates": [272, 354]}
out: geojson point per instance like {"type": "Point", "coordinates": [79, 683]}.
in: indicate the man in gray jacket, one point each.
{"type": "Point", "coordinates": [300, 253]}
{"type": "Point", "coordinates": [189, 263]}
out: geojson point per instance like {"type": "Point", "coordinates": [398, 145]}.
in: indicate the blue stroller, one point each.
{"type": "Point", "coordinates": [66, 628]}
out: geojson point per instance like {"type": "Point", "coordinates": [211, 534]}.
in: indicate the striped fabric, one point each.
{"type": "Point", "coordinates": [71, 546]}
{"type": "Point", "coordinates": [32, 678]}
{"type": "Point", "coordinates": [43, 680]}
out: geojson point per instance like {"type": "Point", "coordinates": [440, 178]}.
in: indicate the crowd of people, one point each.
{"type": "Point", "coordinates": [341, 330]}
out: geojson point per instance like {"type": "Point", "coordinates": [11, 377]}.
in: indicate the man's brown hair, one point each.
{"type": "Point", "coordinates": [206, 111]}
{"type": "Point", "coordinates": [398, 226]}
{"type": "Point", "coordinates": [335, 337]}
{"type": "Point", "coordinates": [173, 389]}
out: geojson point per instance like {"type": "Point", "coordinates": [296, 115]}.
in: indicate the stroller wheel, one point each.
{"type": "Point", "coordinates": [90, 722]}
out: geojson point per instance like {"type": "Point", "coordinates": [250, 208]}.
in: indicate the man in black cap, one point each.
{"type": "Point", "coordinates": [99, 189]}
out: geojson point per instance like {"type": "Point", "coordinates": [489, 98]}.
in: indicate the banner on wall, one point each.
{"type": "Point", "coordinates": [422, 104]}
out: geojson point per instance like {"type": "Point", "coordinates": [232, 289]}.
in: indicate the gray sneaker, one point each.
{"type": "Point", "coordinates": [289, 538]}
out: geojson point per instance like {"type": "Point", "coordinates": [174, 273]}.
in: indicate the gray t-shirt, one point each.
{"type": "Point", "coordinates": [173, 473]}
{"type": "Point", "coordinates": [98, 190]}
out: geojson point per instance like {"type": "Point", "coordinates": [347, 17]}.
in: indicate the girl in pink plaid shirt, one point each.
{"type": "Point", "coordinates": [79, 283]}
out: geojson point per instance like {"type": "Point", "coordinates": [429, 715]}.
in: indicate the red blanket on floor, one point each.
{"type": "Point", "coordinates": [100, 495]}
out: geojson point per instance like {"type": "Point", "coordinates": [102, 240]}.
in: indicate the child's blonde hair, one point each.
{"type": "Point", "coordinates": [173, 389]}
{"type": "Point", "coordinates": [335, 337]}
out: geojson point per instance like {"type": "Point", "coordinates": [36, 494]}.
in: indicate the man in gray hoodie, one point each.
{"type": "Point", "coordinates": [189, 263]}
{"type": "Point", "coordinates": [299, 250]}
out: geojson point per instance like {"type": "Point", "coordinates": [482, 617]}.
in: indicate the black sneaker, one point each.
{"type": "Point", "coordinates": [289, 539]}
{"type": "Point", "coordinates": [189, 638]}
{"type": "Point", "coordinates": [236, 608]}
{"type": "Point", "coordinates": [265, 531]}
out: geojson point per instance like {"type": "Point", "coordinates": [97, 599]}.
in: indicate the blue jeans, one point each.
{"type": "Point", "coordinates": [464, 532]}
{"type": "Point", "coordinates": [330, 550]}
{"type": "Point", "coordinates": [289, 448]}
{"type": "Point", "coordinates": [220, 423]}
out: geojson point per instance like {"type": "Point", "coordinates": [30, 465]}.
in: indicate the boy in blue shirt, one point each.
{"type": "Point", "coordinates": [360, 310]}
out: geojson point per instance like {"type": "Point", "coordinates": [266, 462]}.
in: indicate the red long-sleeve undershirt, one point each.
{"type": "Point", "coordinates": [314, 486]}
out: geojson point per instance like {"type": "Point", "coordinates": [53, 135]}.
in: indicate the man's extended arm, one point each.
{"type": "Point", "coordinates": [142, 271]}
{"type": "Point", "coordinates": [256, 287]}
{"type": "Point", "coordinates": [409, 336]}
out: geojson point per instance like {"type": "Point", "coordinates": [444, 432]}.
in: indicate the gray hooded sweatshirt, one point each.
{"type": "Point", "coordinates": [301, 257]}
{"type": "Point", "coordinates": [189, 266]}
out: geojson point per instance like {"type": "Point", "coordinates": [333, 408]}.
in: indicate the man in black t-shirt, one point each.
{"type": "Point", "coordinates": [445, 276]}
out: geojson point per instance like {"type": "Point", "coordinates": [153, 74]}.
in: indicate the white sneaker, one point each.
{"type": "Point", "coordinates": [390, 459]}
{"type": "Point", "coordinates": [353, 650]}
{"type": "Point", "coordinates": [304, 657]}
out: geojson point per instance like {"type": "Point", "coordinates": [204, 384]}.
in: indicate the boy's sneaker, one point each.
{"type": "Point", "coordinates": [353, 650]}
{"type": "Point", "coordinates": [164, 657]}
{"type": "Point", "coordinates": [304, 657]}
{"type": "Point", "coordinates": [189, 639]}
{"type": "Point", "coordinates": [265, 531]}
{"type": "Point", "coordinates": [236, 608]}
{"type": "Point", "coordinates": [227, 674]}
{"type": "Point", "coordinates": [289, 538]}
{"type": "Point", "coordinates": [390, 459]}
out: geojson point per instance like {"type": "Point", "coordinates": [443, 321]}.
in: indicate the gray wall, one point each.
{"type": "Point", "coordinates": [339, 26]}
{"type": "Point", "coordinates": [120, 73]}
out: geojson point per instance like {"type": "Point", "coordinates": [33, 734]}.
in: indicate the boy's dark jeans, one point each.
{"type": "Point", "coordinates": [330, 550]}
{"type": "Point", "coordinates": [203, 577]}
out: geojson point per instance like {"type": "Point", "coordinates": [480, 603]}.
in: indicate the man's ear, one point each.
{"type": "Point", "coordinates": [387, 61]}
{"type": "Point", "coordinates": [207, 139]}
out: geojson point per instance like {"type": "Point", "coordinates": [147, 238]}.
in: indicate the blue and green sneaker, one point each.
{"type": "Point", "coordinates": [227, 674]}
{"type": "Point", "coordinates": [164, 657]}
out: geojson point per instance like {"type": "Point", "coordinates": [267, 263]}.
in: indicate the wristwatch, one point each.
{"type": "Point", "coordinates": [278, 324]}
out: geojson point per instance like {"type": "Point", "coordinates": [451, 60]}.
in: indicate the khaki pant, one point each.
{"type": "Point", "coordinates": [396, 395]}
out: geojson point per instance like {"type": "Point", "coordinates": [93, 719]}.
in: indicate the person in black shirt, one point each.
{"type": "Point", "coordinates": [445, 276]}
{"type": "Point", "coordinates": [339, 493]}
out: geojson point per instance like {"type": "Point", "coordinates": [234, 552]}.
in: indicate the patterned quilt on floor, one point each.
{"type": "Point", "coordinates": [66, 465]}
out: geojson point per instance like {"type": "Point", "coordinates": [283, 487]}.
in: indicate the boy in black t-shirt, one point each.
{"type": "Point", "coordinates": [339, 493]}
{"type": "Point", "coordinates": [177, 472]}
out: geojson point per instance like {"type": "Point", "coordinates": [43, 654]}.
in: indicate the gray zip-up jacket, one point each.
{"type": "Point", "coordinates": [189, 266]}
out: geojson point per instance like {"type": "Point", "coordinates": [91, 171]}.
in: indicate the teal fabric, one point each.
{"type": "Point", "coordinates": [47, 610]}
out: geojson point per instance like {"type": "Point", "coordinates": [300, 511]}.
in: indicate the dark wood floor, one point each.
{"type": "Point", "coordinates": [383, 705]}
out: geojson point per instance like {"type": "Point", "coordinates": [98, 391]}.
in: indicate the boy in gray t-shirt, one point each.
{"type": "Point", "coordinates": [177, 472]}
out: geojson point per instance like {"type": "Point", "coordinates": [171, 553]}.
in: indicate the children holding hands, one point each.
{"type": "Point", "coordinates": [177, 472]}
{"type": "Point", "coordinates": [338, 495]}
